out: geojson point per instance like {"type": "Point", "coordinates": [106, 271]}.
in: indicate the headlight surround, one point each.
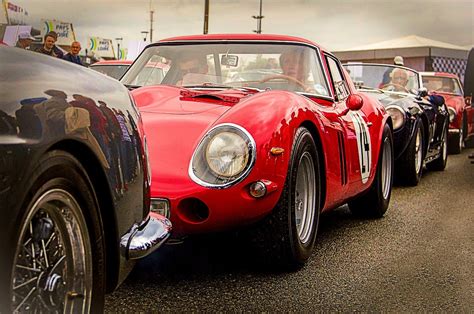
{"type": "Point", "coordinates": [452, 114]}
{"type": "Point", "coordinates": [398, 116]}
{"type": "Point", "coordinates": [224, 156]}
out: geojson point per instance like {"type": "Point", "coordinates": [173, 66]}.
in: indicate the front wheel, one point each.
{"type": "Point", "coordinates": [410, 164]}
{"type": "Point", "coordinates": [55, 261]}
{"type": "Point", "coordinates": [374, 203]}
{"type": "Point", "coordinates": [285, 239]}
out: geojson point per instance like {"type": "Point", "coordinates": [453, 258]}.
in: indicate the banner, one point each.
{"type": "Point", "coordinates": [11, 33]}
{"type": "Point", "coordinates": [101, 47]}
{"type": "Point", "coordinates": [15, 14]}
{"type": "Point", "coordinates": [64, 30]}
{"type": "Point", "coordinates": [123, 54]}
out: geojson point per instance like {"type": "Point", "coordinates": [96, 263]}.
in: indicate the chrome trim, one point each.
{"type": "Point", "coordinates": [145, 238]}
{"type": "Point", "coordinates": [454, 131]}
{"type": "Point", "coordinates": [403, 112]}
{"type": "Point", "coordinates": [238, 179]}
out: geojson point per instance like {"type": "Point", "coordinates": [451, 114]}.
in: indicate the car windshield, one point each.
{"type": "Point", "coordinates": [113, 70]}
{"type": "Point", "coordinates": [242, 65]}
{"type": "Point", "coordinates": [442, 84]}
{"type": "Point", "coordinates": [385, 77]}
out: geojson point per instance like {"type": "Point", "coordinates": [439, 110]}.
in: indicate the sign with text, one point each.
{"type": "Point", "coordinates": [15, 14]}
{"type": "Point", "coordinates": [101, 47]}
{"type": "Point", "coordinates": [64, 30]}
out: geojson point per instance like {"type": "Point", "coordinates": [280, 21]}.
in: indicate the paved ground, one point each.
{"type": "Point", "coordinates": [419, 258]}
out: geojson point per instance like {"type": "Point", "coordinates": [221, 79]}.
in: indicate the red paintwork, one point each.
{"type": "Point", "coordinates": [114, 62]}
{"type": "Point", "coordinates": [458, 103]}
{"type": "Point", "coordinates": [174, 125]}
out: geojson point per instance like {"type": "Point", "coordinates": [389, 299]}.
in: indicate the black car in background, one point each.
{"type": "Point", "coordinates": [420, 123]}
{"type": "Point", "coordinates": [74, 186]}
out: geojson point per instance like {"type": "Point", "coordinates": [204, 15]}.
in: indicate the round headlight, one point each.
{"type": "Point", "coordinates": [452, 114]}
{"type": "Point", "coordinates": [398, 116]}
{"type": "Point", "coordinates": [227, 154]}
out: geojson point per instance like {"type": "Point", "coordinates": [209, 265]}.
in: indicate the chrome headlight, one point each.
{"type": "Point", "coordinates": [224, 156]}
{"type": "Point", "coordinates": [452, 114]}
{"type": "Point", "coordinates": [398, 116]}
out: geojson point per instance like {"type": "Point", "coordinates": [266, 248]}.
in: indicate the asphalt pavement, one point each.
{"type": "Point", "coordinates": [418, 258]}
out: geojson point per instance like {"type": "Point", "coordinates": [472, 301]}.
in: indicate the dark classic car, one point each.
{"type": "Point", "coordinates": [461, 113]}
{"type": "Point", "coordinates": [74, 186]}
{"type": "Point", "coordinates": [420, 122]}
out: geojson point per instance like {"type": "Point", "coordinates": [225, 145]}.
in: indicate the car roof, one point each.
{"type": "Point", "coordinates": [440, 74]}
{"type": "Point", "coordinates": [243, 37]}
{"type": "Point", "coordinates": [113, 62]}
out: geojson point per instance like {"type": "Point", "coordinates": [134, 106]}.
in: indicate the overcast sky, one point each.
{"type": "Point", "coordinates": [335, 24]}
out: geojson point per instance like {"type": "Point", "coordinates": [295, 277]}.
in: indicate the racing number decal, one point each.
{"type": "Point", "coordinates": [363, 144]}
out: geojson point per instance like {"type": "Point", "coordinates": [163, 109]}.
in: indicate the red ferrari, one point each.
{"type": "Point", "coordinates": [461, 114]}
{"type": "Point", "coordinates": [261, 130]}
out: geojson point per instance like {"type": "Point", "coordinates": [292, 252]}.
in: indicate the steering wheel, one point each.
{"type": "Point", "coordinates": [285, 77]}
{"type": "Point", "coordinates": [396, 86]}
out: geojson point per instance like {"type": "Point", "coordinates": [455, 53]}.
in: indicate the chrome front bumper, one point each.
{"type": "Point", "coordinates": [144, 238]}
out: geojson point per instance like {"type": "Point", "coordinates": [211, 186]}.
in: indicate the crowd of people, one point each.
{"type": "Point", "coordinates": [49, 47]}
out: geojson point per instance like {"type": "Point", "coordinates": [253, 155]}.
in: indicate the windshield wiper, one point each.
{"type": "Point", "coordinates": [372, 88]}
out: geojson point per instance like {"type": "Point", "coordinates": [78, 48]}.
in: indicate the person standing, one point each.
{"type": "Point", "coordinates": [24, 40]}
{"type": "Point", "coordinates": [73, 56]}
{"type": "Point", "coordinates": [48, 46]}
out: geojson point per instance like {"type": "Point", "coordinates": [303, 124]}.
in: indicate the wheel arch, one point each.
{"type": "Point", "coordinates": [106, 213]}
{"type": "Point", "coordinates": [313, 130]}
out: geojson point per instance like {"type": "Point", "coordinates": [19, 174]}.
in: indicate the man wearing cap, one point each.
{"type": "Point", "coordinates": [73, 56]}
{"type": "Point", "coordinates": [24, 40]}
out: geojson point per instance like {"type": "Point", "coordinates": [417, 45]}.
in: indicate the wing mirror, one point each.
{"type": "Point", "coordinates": [354, 102]}
{"type": "Point", "coordinates": [468, 101]}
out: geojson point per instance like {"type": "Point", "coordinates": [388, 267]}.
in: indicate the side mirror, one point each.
{"type": "Point", "coordinates": [422, 92]}
{"type": "Point", "coordinates": [354, 102]}
{"type": "Point", "coordinates": [468, 101]}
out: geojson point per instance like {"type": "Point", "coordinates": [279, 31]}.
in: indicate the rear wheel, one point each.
{"type": "Point", "coordinates": [410, 164]}
{"type": "Point", "coordinates": [455, 142]}
{"type": "Point", "coordinates": [285, 239]}
{"type": "Point", "coordinates": [56, 263]}
{"type": "Point", "coordinates": [374, 203]}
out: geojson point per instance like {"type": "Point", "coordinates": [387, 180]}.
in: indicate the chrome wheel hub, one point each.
{"type": "Point", "coordinates": [53, 258]}
{"type": "Point", "coordinates": [305, 197]}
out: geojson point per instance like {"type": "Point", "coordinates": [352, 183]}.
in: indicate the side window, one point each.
{"type": "Point", "coordinates": [340, 85]}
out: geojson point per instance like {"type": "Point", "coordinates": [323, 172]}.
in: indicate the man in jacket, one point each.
{"type": "Point", "coordinates": [73, 56]}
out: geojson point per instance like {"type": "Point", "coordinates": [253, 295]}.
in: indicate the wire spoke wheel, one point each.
{"type": "Point", "coordinates": [52, 270]}
{"type": "Point", "coordinates": [387, 168]}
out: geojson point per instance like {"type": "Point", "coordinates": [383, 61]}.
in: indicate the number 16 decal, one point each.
{"type": "Point", "coordinates": [363, 144]}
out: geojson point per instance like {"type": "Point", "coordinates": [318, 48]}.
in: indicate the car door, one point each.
{"type": "Point", "coordinates": [357, 142]}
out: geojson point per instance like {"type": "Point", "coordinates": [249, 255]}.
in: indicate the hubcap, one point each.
{"type": "Point", "coordinates": [445, 147]}
{"type": "Point", "coordinates": [53, 258]}
{"type": "Point", "coordinates": [305, 197]}
{"type": "Point", "coordinates": [386, 168]}
{"type": "Point", "coordinates": [418, 151]}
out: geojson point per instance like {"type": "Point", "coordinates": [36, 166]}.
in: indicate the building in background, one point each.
{"type": "Point", "coordinates": [419, 53]}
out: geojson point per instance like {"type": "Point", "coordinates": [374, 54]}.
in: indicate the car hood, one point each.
{"type": "Point", "coordinates": [453, 101]}
{"type": "Point", "coordinates": [181, 101]}
{"type": "Point", "coordinates": [388, 99]}
{"type": "Point", "coordinates": [175, 120]}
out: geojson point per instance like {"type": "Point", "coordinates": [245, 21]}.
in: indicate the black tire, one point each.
{"type": "Point", "coordinates": [439, 164]}
{"type": "Point", "coordinates": [276, 238]}
{"type": "Point", "coordinates": [455, 142]}
{"type": "Point", "coordinates": [61, 206]}
{"type": "Point", "coordinates": [374, 203]}
{"type": "Point", "coordinates": [408, 165]}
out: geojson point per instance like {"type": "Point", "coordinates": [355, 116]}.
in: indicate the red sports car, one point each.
{"type": "Point", "coordinates": [273, 150]}
{"type": "Point", "coordinates": [461, 114]}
